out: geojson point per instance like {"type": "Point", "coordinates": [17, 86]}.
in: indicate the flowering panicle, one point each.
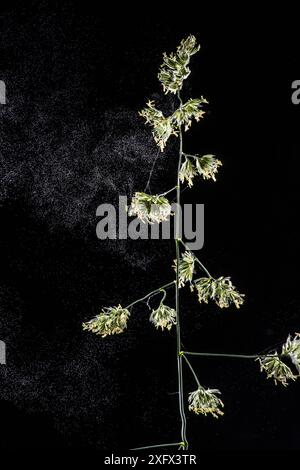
{"type": "Point", "coordinates": [163, 317]}
{"type": "Point", "coordinates": [186, 267]}
{"type": "Point", "coordinates": [149, 209]}
{"type": "Point", "coordinates": [155, 209]}
{"type": "Point", "coordinates": [111, 321]}
{"type": "Point", "coordinates": [172, 73]}
{"type": "Point", "coordinates": [204, 401]}
{"type": "Point", "coordinates": [220, 290]}
{"type": "Point", "coordinates": [276, 369]}
{"type": "Point", "coordinates": [174, 69]}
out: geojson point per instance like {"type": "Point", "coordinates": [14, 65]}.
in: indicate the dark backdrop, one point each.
{"type": "Point", "coordinates": [71, 139]}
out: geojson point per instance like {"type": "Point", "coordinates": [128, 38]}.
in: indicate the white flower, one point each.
{"type": "Point", "coordinates": [149, 208]}
{"type": "Point", "coordinates": [204, 401]}
{"type": "Point", "coordinates": [220, 290]}
{"type": "Point", "coordinates": [276, 369]}
{"type": "Point", "coordinates": [291, 348]}
{"type": "Point", "coordinates": [112, 320]}
{"type": "Point", "coordinates": [163, 317]}
{"type": "Point", "coordinates": [186, 267]}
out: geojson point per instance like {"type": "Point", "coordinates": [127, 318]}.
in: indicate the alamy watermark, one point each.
{"type": "Point", "coordinates": [2, 92]}
{"type": "Point", "coordinates": [296, 93]}
{"type": "Point", "coordinates": [2, 352]}
{"type": "Point", "coordinates": [186, 221]}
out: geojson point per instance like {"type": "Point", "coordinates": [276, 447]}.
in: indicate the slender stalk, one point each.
{"type": "Point", "coordinates": [151, 171]}
{"type": "Point", "coordinates": [178, 332]}
{"type": "Point", "coordinates": [166, 286]}
{"type": "Point", "coordinates": [169, 191]}
{"type": "Point", "coordinates": [190, 156]}
{"type": "Point", "coordinates": [192, 370]}
{"type": "Point", "coordinates": [158, 445]}
{"type": "Point", "coordinates": [203, 267]}
{"type": "Point", "coordinates": [164, 295]}
{"type": "Point", "coordinates": [235, 356]}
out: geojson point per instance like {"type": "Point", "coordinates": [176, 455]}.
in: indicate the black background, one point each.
{"type": "Point", "coordinates": [71, 139]}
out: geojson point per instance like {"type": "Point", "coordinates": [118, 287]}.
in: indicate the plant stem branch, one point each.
{"type": "Point", "coordinates": [235, 356]}
{"type": "Point", "coordinates": [164, 295]}
{"type": "Point", "coordinates": [167, 192]}
{"type": "Point", "coordinates": [192, 370]}
{"type": "Point", "coordinates": [190, 156]}
{"type": "Point", "coordinates": [166, 286]}
{"type": "Point", "coordinates": [151, 171]}
{"type": "Point", "coordinates": [158, 445]}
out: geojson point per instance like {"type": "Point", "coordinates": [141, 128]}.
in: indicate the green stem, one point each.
{"type": "Point", "coordinates": [166, 286]}
{"type": "Point", "coordinates": [190, 156]}
{"type": "Point", "coordinates": [178, 332]}
{"type": "Point", "coordinates": [236, 356]}
{"type": "Point", "coordinates": [167, 192]}
{"type": "Point", "coordinates": [192, 370]}
{"type": "Point", "coordinates": [151, 171]}
{"type": "Point", "coordinates": [164, 295]}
